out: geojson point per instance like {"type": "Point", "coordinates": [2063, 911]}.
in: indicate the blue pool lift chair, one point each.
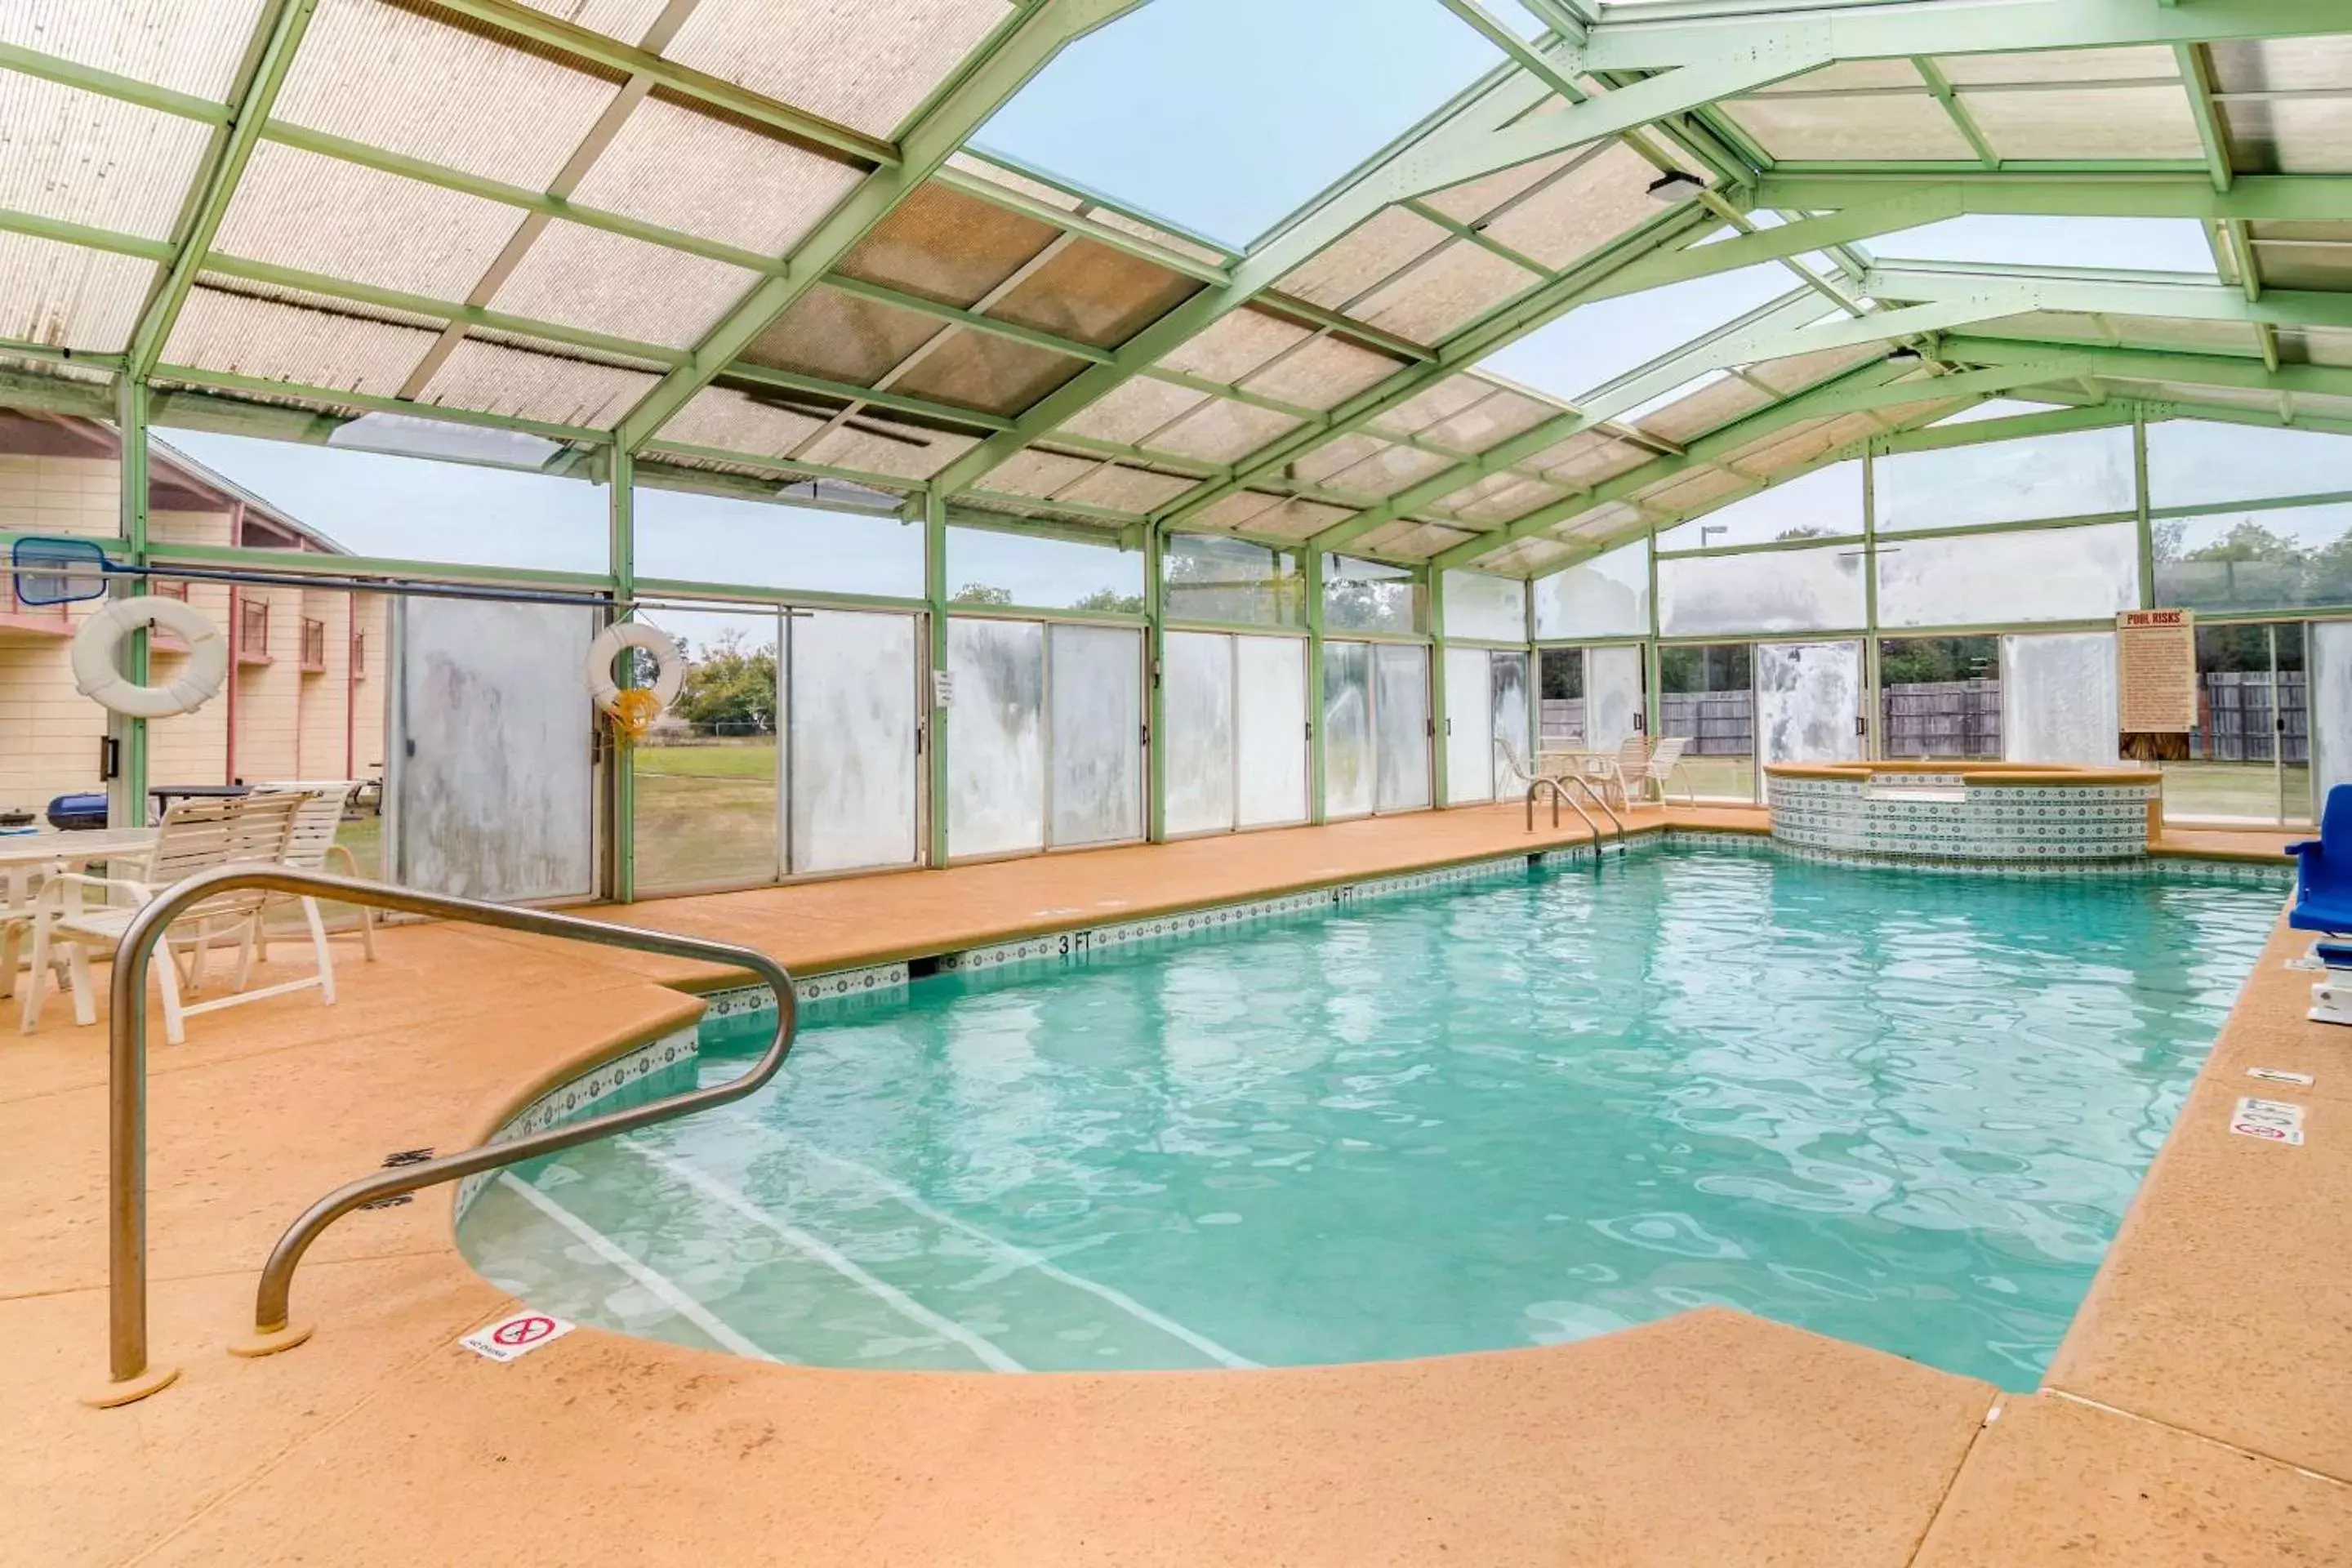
{"type": "Point", "coordinates": [2323, 903]}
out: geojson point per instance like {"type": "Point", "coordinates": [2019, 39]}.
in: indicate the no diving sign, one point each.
{"type": "Point", "coordinates": [2272, 1121]}
{"type": "Point", "coordinates": [514, 1336]}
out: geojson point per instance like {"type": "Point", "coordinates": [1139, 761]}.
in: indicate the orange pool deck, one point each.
{"type": "Point", "coordinates": [2200, 1410]}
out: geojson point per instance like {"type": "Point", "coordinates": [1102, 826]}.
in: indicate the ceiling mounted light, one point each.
{"type": "Point", "coordinates": [1903, 353]}
{"type": "Point", "coordinates": [1673, 187]}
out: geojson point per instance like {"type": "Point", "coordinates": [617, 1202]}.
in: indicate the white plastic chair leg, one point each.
{"type": "Point", "coordinates": [10, 935]}
{"type": "Point", "coordinates": [253, 938]}
{"type": "Point", "coordinates": [84, 1003]}
{"type": "Point", "coordinates": [202, 951]}
{"type": "Point", "coordinates": [319, 947]}
{"type": "Point", "coordinates": [28, 1012]}
{"type": "Point", "coordinates": [168, 974]}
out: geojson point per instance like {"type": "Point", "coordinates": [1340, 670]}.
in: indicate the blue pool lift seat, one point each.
{"type": "Point", "coordinates": [2322, 879]}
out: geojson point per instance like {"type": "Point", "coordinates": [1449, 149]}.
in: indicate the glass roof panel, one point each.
{"type": "Point", "coordinates": [542, 381]}
{"type": "Point", "coordinates": [1094, 294]}
{"type": "Point", "coordinates": [1591, 346]}
{"type": "Point", "coordinates": [1451, 289]}
{"type": "Point", "coordinates": [714, 177]}
{"type": "Point", "coordinates": [1363, 258]}
{"type": "Point", "coordinates": [394, 76]}
{"type": "Point", "coordinates": [66, 153]}
{"type": "Point", "coordinates": [606, 282]}
{"type": "Point", "coordinates": [188, 48]}
{"type": "Point", "coordinates": [997, 169]}
{"type": "Point", "coordinates": [68, 297]}
{"type": "Point", "coordinates": [943, 244]}
{"type": "Point", "coordinates": [320, 344]}
{"type": "Point", "coordinates": [2142, 244]}
{"type": "Point", "coordinates": [1174, 107]}
{"type": "Point", "coordinates": [320, 215]}
{"type": "Point", "coordinates": [878, 59]}
{"type": "Point", "coordinates": [1889, 125]}
{"type": "Point", "coordinates": [2087, 123]}
{"type": "Point", "coordinates": [1823, 504]}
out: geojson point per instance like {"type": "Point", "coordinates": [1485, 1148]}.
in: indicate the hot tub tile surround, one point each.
{"type": "Point", "coordinates": [1952, 817]}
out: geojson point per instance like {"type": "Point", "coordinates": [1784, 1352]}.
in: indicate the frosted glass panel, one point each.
{"type": "Point", "coordinates": [1510, 711]}
{"type": "Point", "coordinates": [1401, 726]}
{"type": "Point", "coordinates": [1196, 695]}
{"type": "Point", "coordinates": [1347, 729]}
{"type": "Point", "coordinates": [1097, 749]}
{"type": "Point", "coordinates": [1807, 695]}
{"type": "Point", "coordinates": [2058, 697]}
{"type": "Point", "coordinates": [996, 737]}
{"type": "Point", "coordinates": [1614, 709]}
{"type": "Point", "coordinates": [1369, 596]}
{"type": "Point", "coordinates": [1484, 608]}
{"type": "Point", "coordinates": [2331, 705]}
{"type": "Point", "coordinates": [1469, 728]}
{"type": "Point", "coordinates": [851, 721]}
{"type": "Point", "coordinates": [1607, 597]}
{"type": "Point", "coordinates": [2062, 575]}
{"type": "Point", "coordinates": [1271, 679]}
{"type": "Point", "coordinates": [1825, 503]}
{"type": "Point", "coordinates": [1211, 578]}
{"type": "Point", "coordinates": [497, 798]}
{"type": "Point", "coordinates": [2193, 462]}
{"type": "Point", "coordinates": [2074, 474]}
{"type": "Point", "coordinates": [1774, 591]}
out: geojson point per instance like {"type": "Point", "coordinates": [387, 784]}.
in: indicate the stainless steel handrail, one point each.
{"type": "Point", "coordinates": [127, 1116]}
{"type": "Point", "coordinates": [1598, 799]}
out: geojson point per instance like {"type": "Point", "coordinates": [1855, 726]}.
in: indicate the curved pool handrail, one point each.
{"type": "Point", "coordinates": [127, 1110]}
{"type": "Point", "coordinates": [1581, 782]}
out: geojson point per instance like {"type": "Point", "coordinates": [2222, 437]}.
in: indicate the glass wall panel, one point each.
{"type": "Point", "coordinates": [691, 536]}
{"type": "Point", "coordinates": [996, 737]}
{"type": "Point", "coordinates": [1823, 504]}
{"type": "Point", "coordinates": [1559, 699]}
{"type": "Point", "coordinates": [1348, 782]}
{"type": "Point", "coordinates": [1196, 701]}
{"type": "Point", "coordinates": [1773, 591]}
{"type": "Point", "coordinates": [1809, 701]}
{"type": "Point", "coordinates": [1508, 713]}
{"type": "Point", "coordinates": [2060, 574]}
{"type": "Point", "coordinates": [2076, 473]}
{"type": "Point", "coordinates": [852, 724]}
{"type": "Point", "coordinates": [1615, 695]}
{"type": "Point", "coordinates": [2194, 462]}
{"type": "Point", "coordinates": [1484, 608]}
{"type": "Point", "coordinates": [409, 507]}
{"type": "Point", "coordinates": [2250, 756]}
{"type": "Point", "coordinates": [1208, 577]}
{"type": "Point", "coordinates": [707, 790]}
{"type": "Point", "coordinates": [986, 567]}
{"type": "Point", "coordinates": [1469, 729]}
{"type": "Point", "coordinates": [1367, 596]}
{"type": "Point", "coordinates": [1607, 597]}
{"type": "Point", "coordinates": [1400, 725]}
{"type": "Point", "coordinates": [1094, 733]}
{"type": "Point", "coordinates": [494, 792]}
{"type": "Point", "coordinates": [2278, 559]}
{"type": "Point", "coordinates": [1270, 675]}
{"type": "Point", "coordinates": [2058, 697]}
{"type": "Point", "coordinates": [1707, 695]}
{"type": "Point", "coordinates": [2331, 705]}
{"type": "Point", "coordinates": [1939, 696]}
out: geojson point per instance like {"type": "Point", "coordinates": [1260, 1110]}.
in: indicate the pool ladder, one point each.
{"type": "Point", "coordinates": [131, 1376]}
{"type": "Point", "coordinates": [1556, 785]}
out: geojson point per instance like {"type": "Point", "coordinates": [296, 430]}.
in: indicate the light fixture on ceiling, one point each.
{"type": "Point", "coordinates": [1903, 354]}
{"type": "Point", "coordinates": [1673, 187]}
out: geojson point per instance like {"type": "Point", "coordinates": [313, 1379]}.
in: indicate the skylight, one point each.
{"type": "Point", "coordinates": [2138, 244]}
{"type": "Point", "coordinates": [1227, 115]}
{"type": "Point", "coordinates": [1589, 348]}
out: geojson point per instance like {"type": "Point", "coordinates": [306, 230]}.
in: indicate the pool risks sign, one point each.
{"type": "Point", "coordinates": [2272, 1121]}
{"type": "Point", "coordinates": [515, 1336]}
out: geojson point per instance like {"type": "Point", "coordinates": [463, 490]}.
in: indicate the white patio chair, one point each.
{"type": "Point", "coordinates": [1664, 761]}
{"type": "Point", "coordinates": [195, 835]}
{"type": "Point", "coordinates": [312, 846]}
{"type": "Point", "coordinates": [1629, 775]}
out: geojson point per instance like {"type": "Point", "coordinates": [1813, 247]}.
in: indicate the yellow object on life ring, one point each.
{"type": "Point", "coordinates": [98, 673]}
{"type": "Point", "coordinates": [669, 664]}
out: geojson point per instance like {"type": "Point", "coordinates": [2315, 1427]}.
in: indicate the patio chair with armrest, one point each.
{"type": "Point", "coordinates": [2323, 903]}
{"type": "Point", "coordinates": [1664, 761]}
{"type": "Point", "coordinates": [312, 846]}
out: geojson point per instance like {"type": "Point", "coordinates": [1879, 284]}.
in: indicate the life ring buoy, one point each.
{"type": "Point", "coordinates": [98, 675]}
{"type": "Point", "coordinates": [669, 664]}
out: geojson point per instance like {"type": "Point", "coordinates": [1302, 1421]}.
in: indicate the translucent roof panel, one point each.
{"type": "Point", "coordinates": [2304, 255]}
{"type": "Point", "coordinates": [321, 215]}
{"type": "Point", "coordinates": [1823, 504]}
{"type": "Point", "coordinates": [70, 155]}
{"type": "Point", "coordinates": [1173, 108]}
{"type": "Point", "coordinates": [713, 177]}
{"type": "Point", "coordinates": [879, 58]}
{"type": "Point", "coordinates": [1444, 293]}
{"type": "Point", "coordinates": [976, 370]}
{"type": "Point", "coordinates": [2140, 244]}
{"type": "Point", "coordinates": [65, 296]}
{"type": "Point", "coordinates": [1880, 125]}
{"type": "Point", "coordinates": [1094, 294]}
{"type": "Point", "coordinates": [2286, 103]}
{"type": "Point", "coordinates": [190, 48]}
{"type": "Point", "coordinates": [942, 244]}
{"type": "Point", "coordinates": [1589, 348]}
{"type": "Point", "coordinates": [538, 382]}
{"type": "Point", "coordinates": [319, 343]}
{"type": "Point", "coordinates": [604, 283]}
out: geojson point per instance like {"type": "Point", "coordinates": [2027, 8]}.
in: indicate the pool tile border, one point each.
{"type": "Point", "coordinates": [588, 1094]}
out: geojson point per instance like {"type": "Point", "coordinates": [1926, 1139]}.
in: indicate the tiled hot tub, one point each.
{"type": "Point", "coordinates": [1990, 814]}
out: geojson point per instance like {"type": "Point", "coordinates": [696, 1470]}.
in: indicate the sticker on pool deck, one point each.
{"type": "Point", "coordinates": [526, 1331]}
{"type": "Point", "coordinates": [2280, 1075]}
{"type": "Point", "coordinates": [2276, 1120]}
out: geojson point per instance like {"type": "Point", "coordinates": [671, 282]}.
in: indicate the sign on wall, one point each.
{"type": "Point", "coordinates": [2156, 669]}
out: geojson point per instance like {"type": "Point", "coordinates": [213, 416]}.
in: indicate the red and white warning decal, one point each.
{"type": "Point", "coordinates": [2272, 1121]}
{"type": "Point", "coordinates": [522, 1333]}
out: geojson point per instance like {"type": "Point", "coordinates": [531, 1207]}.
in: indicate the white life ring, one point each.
{"type": "Point", "coordinates": [98, 675]}
{"type": "Point", "coordinates": [669, 664]}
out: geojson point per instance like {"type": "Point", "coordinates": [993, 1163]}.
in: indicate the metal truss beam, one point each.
{"type": "Point", "coordinates": [2255, 198]}
{"type": "Point", "coordinates": [2112, 294]}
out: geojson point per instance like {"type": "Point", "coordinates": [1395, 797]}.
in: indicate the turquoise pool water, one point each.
{"type": "Point", "coordinates": [1903, 1108]}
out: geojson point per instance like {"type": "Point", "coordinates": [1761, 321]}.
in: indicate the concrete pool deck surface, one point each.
{"type": "Point", "coordinates": [2200, 1411]}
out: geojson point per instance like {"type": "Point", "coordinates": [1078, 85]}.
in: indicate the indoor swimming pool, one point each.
{"type": "Point", "coordinates": [1905, 1109]}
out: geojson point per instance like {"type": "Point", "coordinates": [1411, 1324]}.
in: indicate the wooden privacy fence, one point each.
{"type": "Point", "coordinates": [1941, 719]}
{"type": "Point", "coordinates": [2240, 725]}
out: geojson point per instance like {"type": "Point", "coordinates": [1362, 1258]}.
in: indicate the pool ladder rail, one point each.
{"type": "Point", "coordinates": [131, 1376]}
{"type": "Point", "coordinates": [1556, 785]}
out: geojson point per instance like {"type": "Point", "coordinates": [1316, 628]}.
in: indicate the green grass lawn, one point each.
{"type": "Point", "coordinates": [706, 813]}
